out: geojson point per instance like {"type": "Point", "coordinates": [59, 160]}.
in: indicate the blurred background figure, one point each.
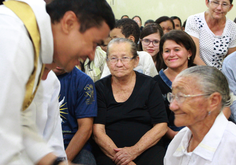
{"type": "Point", "coordinates": [124, 16]}
{"type": "Point", "coordinates": [166, 23]}
{"type": "Point", "coordinates": [149, 21]}
{"type": "Point", "coordinates": [177, 22]}
{"type": "Point", "coordinates": [198, 96]}
{"type": "Point", "coordinates": [138, 20]}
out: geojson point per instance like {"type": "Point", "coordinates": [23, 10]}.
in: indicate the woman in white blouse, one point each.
{"type": "Point", "coordinates": [213, 34]}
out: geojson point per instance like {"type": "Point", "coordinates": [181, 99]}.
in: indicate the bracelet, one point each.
{"type": "Point", "coordinates": [58, 160]}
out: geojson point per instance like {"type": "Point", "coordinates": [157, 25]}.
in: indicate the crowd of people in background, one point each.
{"type": "Point", "coordinates": [116, 91]}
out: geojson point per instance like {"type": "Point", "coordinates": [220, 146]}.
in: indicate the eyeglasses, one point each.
{"type": "Point", "coordinates": [180, 97]}
{"type": "Point", "coordinates": [146, 42]}
{"type": "Point", "coordinates": [123, 59]}
{"type": "Point", "coordinates": [224, 5]}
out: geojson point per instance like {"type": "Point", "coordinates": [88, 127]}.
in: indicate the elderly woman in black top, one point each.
{"type": "Point", "coordinates": [131, 112]}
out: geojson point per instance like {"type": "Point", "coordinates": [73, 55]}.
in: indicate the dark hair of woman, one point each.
{"type": "Point", "coordinates": [181, 38]}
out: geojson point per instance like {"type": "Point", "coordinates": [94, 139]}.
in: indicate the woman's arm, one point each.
{"type": "Point", "coordinates": [104, 142]}
{"type": "Point", "coordinates": [170, 133]}
{"type": "Point", "coordinates": [149, 139]}
{"type": "Point", "coordinates": [197, 60]}
{"type": "Point", "coordinates": [231, 50]}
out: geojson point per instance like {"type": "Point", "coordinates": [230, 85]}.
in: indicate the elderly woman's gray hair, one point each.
{"type": "Point", "coordinates": [210, 80]}
{"type": "Point", "coordinates": [123, 40]}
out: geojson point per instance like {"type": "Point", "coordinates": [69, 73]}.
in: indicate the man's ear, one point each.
{"type": "Point", "coordinates": [68, 21]}
{"type": "Point", "coordinates": [131, 38]}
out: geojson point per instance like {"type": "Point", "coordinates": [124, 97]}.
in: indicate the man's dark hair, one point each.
{"type": "Point", "coordinates": [163, 19]}
{"type": "Point", "coordinates": [90, 13]}
{"type": "Point", "coordinates": [149, 21]}
{"type": "Point", "coordinates": [128, 27]}
{"type": "Point", "coordinates": [124, 16]}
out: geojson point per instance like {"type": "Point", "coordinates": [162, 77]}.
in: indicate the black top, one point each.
{"type": "Point", "coordinates": [127, 122]}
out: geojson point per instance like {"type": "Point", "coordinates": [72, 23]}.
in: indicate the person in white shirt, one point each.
{"type": "Point", "coordinates": [213, 33]}
{"type": "Point", "coordinates": [198, 96]}
{"type": "Point", "coordinates": [63, 37]}
{"type": "Point", "coordinates": [128, 28]}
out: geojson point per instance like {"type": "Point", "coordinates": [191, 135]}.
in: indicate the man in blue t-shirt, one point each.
{"type": "Point", "coordinates": [78, 107]}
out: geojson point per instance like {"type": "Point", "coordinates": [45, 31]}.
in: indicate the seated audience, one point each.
{"type": "Point", "coordinates": [138, 20]}
{"type": "Point", "coordinates": [213, 34]}
{"type": "Point", "coordinates": [78, 108]}
{"type": "Point", "coordinates": [149, 40]}
{"type": "Point", "coordinates": [148, 22]}
{"type": "Point", "coordinates": [128, 28]}
{"type": "Point", "coordinates": [166, 23]}
{"type": "Point", "coordinates": [131, 112]}
{"type": "Point", "coordinates": [177, 52]}
{"type": "Point", "coordinates": [177, 22]}
{"type": "Point", "coordinates": [198, 96]}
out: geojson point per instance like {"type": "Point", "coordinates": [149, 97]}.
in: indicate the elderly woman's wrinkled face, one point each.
{"type": "Point", "coordinates": [218, 8]}
{"type": "Point", "coordinates": [189, 110]}
{"type": "Point", "coordinates": [120, 60]}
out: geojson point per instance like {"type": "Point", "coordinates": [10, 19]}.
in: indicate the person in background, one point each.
{"type": "Point", "coordinates": [78, 108]}
{"type": "Point", "coordinates": [177, 52]}
{"type": "Point", "coordinates": [229, 70]}
{"type": "Point", "coordinates": [106, 42]}
{"type": "Point", "coordinates": [131, 112]}
{"type": "Point", "coordinates": [148, 22]}
{"type": "Point", "coordinates": [166, 23]}
{"type": "Point", "coordinates": [177, 22]}
{"type": "Point", "coordinates": [124, 16]}
{"type": "Point", "coordinates": [62, 35]}
{"type": "Point", "coordinates": [199, 94]}
{"type": "Point", "coordinates": [235, 20]}
{"type": "Point", "coordinates": [184, 24]}
{"type": "Point", "coordinates": [149, 40]}
{"type": "Point", "coordinates": [128, 28]}
{"type": "Point", "coordinates": [213, 34]}
{"type": "Point", "coordinates": [94, 68]}
{"type": "Point", "coordinates": [138, 20]}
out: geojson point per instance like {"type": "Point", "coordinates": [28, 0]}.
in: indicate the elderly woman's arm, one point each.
{"type": "Point", "coordinates": [149, 139]}
{"type": "Point", "coordinates": [104, 142]}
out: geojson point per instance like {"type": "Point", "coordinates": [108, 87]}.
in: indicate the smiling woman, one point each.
{"type": "Point", "coordinates": [199, 95]}
{"type": "Point", "coordinates": [177, 52]}
{"type": "Point", "coordinates": [213, 33]}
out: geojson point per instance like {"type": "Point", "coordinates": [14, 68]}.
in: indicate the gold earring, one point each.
{"type": "Point", "coordinates": [188, 58]}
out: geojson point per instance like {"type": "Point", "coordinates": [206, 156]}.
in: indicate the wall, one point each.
{"type": "Point", "coordinates": [152, 9]}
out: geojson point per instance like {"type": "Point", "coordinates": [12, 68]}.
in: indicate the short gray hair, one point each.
{"type": "Point", "coordinates": [210, 80]}
{"type": "Point", "coordinates": [124, 40]}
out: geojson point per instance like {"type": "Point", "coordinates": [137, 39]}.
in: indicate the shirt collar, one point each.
{"type": "Point", "coordinates": [165, 79]}
{"type": "Point", "coordinates": [210, 142]}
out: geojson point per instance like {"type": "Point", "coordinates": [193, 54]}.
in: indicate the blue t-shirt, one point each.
{"type": "Point", "coordinates": [77, 100]}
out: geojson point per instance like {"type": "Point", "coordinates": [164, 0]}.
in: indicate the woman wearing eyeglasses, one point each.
{"type": "Point", "coordinates": [149, 40]}
{"type": "Point", "coordinates": [198, 96]}
{"type": "Point", "coordinates": [131, 112]}
{"type": "Point", "coordinates": [213, 34]}
{"type": "Point", "coordinates": [177, 52]}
